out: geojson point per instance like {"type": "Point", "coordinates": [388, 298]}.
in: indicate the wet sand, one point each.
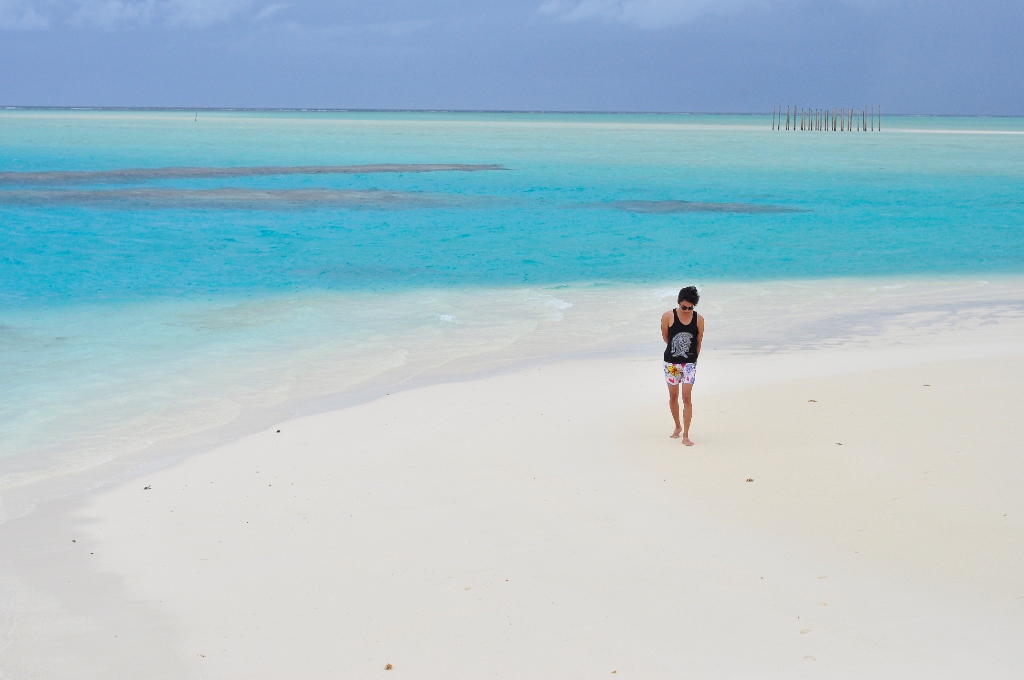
{"type": "Point", "coordinates": [846, 513]}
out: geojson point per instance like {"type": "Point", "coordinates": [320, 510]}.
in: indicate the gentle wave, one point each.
{"type": "Point", "coordinates": [234, 199]}
{"type": "Point", "coordinates": [660, 207]}
{"type": "Point", "coordinates": [130, 175]}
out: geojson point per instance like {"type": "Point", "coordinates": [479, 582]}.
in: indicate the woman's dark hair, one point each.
{"type": "Point", "coordinates": [689, 294]}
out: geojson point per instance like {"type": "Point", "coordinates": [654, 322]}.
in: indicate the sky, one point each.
{"type": "Point", "coordinates": [909, 56]}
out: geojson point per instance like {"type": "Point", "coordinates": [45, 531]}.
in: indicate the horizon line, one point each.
{"type": "Point", "coordinates": [209, 109]}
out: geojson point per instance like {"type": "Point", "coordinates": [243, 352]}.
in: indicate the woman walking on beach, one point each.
{"type": "Point", "coordinates": [682, 329]}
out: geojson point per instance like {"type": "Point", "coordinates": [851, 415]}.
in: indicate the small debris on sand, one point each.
{"type": "Point", "coordinates": [750, 479]}
{"type": "Point", "coordinates": [388, 667]}
{"type": "Point", "coordinates": [279, 430]}
{"type": "Point", "coordinates": [146, 488]}
{"type": "Point", "coordinates": [805, 631]}
{"type": "Point", "coordinates": [839, 443]}
{"type": "Point", "coordinates": [812, 401]}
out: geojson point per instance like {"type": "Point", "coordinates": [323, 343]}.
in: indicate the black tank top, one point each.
{"type": "Point", "coordinates": [682, 341]}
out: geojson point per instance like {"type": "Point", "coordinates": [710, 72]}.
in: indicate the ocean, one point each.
{"type": "Point", "coordinates": [173, 276]}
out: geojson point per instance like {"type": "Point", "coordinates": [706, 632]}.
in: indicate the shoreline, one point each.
{"type": "Point", "coordinates": [155, 563]}
{"type": "Point", "coordinates": [815, 312]}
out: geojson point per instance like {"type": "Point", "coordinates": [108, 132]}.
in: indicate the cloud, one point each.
{"type": "Point", "coordinates": [21, 15]}
{"type": "Point", "coordinates": [332, 32]}
{"type": "Point", "coordinates": [202, 13]}
{"type": "Point", "coordinates": [642, 13]}
{"type": "Point", "coordinates": [111, 14]}
{"type": "Point", "coordinates": [269, 11]}
{"type": "Point", "coordinates": [116, 14]}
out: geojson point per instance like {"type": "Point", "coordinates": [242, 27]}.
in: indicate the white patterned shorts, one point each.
{"type": "Point", "coordinates": [676, 374]}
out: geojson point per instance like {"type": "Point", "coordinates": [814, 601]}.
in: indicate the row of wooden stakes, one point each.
{"type": "Point", "coordinates": [823, 120]}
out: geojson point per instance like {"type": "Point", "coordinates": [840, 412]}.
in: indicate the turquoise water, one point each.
{"type": "Point", "coordinates": [125, 301]}
{"type": "Point", "coordinates": [871, 203]}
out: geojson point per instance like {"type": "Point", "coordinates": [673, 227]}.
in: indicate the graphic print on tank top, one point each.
{"type": "Point", "coordinates": [681, 344]}
{"type": "Point", "coordinates": [681, 347]}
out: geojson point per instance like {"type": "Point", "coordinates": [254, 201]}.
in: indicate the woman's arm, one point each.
{"type": "Point", "coordinates": [665, 323]}
{"type": "Point", "coordinates": [700, 331]}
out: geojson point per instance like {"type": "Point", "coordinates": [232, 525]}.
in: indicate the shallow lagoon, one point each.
{"type": "Point", "coordinates": [168, 303]}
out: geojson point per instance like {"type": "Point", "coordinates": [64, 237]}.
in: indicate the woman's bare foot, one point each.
{"type": "Point", "coordinates": [678, 431]}
{"type": "Point", "coordinates": [686, 441]}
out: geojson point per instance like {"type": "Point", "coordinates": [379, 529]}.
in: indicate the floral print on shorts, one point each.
{"type": "Point", "coordinates": [676, 374]}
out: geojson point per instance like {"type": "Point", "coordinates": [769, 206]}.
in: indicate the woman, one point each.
{"type": "Point", "coordinates": [682, 329]}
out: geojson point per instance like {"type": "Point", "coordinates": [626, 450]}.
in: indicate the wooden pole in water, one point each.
{"type": "Point", "coordinates": [787, 117]}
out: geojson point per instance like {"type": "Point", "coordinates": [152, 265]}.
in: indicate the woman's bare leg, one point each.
{"type": "Point", "coordinates": [673, 404]}
{"type": "Point", "coordinates": [687, 414]}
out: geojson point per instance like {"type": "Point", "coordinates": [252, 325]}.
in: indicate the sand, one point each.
{"type": "Point", "coordinates": [846, 513]}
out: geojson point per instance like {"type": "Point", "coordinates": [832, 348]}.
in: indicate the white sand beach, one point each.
{"type": "Point", "coordinates": [849, 511]}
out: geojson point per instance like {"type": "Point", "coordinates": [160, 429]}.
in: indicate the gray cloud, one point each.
{"type": "Point", "coordinates": [115, 14]}
{"type": "Point", "coordinates": [643, 13]}
{"type": "Point", "coordinates": [110, 14]}
{"type": "Point", "coordinates": [21, 15]}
